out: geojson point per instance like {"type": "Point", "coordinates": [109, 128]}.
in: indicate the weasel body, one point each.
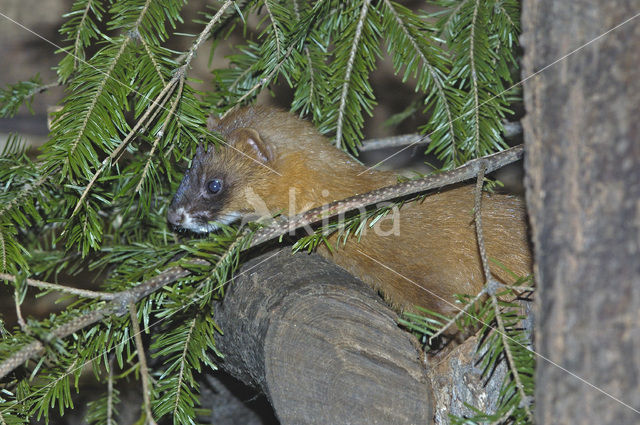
{"type": "Point", "coordinates": [277, 163]}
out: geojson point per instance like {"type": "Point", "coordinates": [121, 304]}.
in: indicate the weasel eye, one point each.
{"type": "Point", "coordinates": [214, 186]}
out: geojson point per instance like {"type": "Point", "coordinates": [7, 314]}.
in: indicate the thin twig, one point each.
{"type": "Point", "coordinates": [464, 172]}
{"type": "Point", "coordinates": [110, 391]}
{"type": "Point", "coordinates": [488, 283]}
{"type": "Point", "coordinates": [478, 221]}
{"type": "Point", "coordinates": [511, 129]}
{"type": "Point", "coordinates": [474, 79]}
{"type": "Point", "coordinates": [62, 288]}
{"type": "Point", "coordinates": [205, 33]}
{"type": "Point", "coordinates": [461, 312]}
{"type": "Point", "coordinates": [144, 371]}
{"type": "Point", "coordinates": [394, 141]}
{"type": "Point", "coordinates": [21, 322]}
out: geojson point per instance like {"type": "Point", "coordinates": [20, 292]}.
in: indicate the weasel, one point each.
{"type": "Point", "coordinates": [274, 162]}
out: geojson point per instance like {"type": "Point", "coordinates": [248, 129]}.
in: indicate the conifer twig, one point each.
{"type": "Point", "coordinates": [183, 360]}
{"type": "Point", "coordinates": [434, 76]}
{"type": "Point", "coordinates": [94, 102]}
{"type": "Point", "coordinates": [155, 64]}
{"type": "Point", "coordinates": [157, 103]}
{"type": "Point", "coordinates": [347, 76]}
{"type": "Point", "coordinates": [3, 248]}
{"type": "Point", "coordinates": [78, 40]}
{"type": "Point", "coordinates": [256, 86]}
{"type": "Point", "coordinates": [296, 10]}
{"type": "Point", "coordinates": [142, 360]}
{"type": "Point", "coordinates": [276, 30]}
{"type": "Point", "coordinates": [160, 134]}
{"type": "Point", "coordinates": [490, 288]}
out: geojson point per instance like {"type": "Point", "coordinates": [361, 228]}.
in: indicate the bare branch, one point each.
{"type": "Point", "coordinates": [62, 288]}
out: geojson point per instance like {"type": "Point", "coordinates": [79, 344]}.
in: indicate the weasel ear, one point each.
{"type": "Point", "coordinates": [249, 141]}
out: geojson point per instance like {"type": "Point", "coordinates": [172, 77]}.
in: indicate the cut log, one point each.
{"type": "Point", "coordinates": [320, 344]}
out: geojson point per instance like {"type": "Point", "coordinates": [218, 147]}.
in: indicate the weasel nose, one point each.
{"type": "Point", "coordinates": [175, 217]}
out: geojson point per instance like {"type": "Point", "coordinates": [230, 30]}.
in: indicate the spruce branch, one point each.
{"type": "Point", "coordinates": [80, 31]}
{"type": "Point", "coordinates": [276, 30]}
{"type": "Point", "coordinates": [21, 93]}
{"type": "Point", "coordinates": [183, 361]}
{"type": "Point", "coordinates": [91, 108]}
{"type": "Point", "coordinates": [262, 82]}
{"type": "Point", "coordinates": [512, 365]}
{"type": "Point", "coordinates": [78, 41]}
{"type": "Point", "coordinates": [307, 53]}
{"type": "Point", "coordinates": [248, 240]}
{"type": "Point", "coordinates": [347, 76]}
{"type": "Point", "coordinates": [459, 315]}
{"type": "Point", "coordinates": [153, 60]}
{"type": "Point", "coordinates": [22, 194]}
{"type": "Point", "coordinates": [160, 134]}
{"type": "Point", "coordinates": [158, 103]}
{"type": "Point", "coordinates": [426, 63]}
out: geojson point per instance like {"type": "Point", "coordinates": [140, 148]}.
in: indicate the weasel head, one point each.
{"type": "Point", "coordinates": [218, 187]}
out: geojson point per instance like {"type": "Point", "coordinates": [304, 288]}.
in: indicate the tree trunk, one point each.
{"type": "Point", "coordinates": [583, 191]}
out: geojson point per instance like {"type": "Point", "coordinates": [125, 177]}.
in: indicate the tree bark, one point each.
{"type": "Point", "coordinates": [583, 192]}
{"type": "Point", "coordinates": [321, 345]}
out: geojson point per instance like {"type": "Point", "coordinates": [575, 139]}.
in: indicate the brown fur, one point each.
{"type": "Point", "coordinates": [435, 254]}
